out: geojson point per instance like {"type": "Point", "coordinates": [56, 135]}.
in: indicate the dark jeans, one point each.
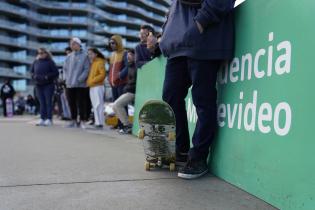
{"type": "Point", "coordinates": [78, 100]}
{"type": "Point", "coordinates": [117, 91]}
{"type": "Point", "coordinates": [181, 73]}
{"type": "Point", "coordinates": [45, 96]}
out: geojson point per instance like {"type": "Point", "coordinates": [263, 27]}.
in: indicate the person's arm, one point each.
{"type": "Point", "coordinates": [124, 72]}
{"type": "Point", "coordinates": [65, 68]}
{"type": "Point", "coordinates": [53, 71]}
{"type": "Point", "coordinates": [138, 58]}
{"type": "Point", "coordinates": [85, 72]}
{"type": "Point", "coordinates": [212, 12]}
{"type": "Point", "coordinates": [32, 70]}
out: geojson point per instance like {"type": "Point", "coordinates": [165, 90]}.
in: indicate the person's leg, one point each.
{"type": "Point", "coordinates": [82, 96]}
{"type": "Point", "coordinates": [100, 106]}
{"type": "Point", "coordinates": [114, 93]}
{"type": "Point", "coordinates": [71, 96]}
{"type": "Point", "coordinates": [42, 102]}
{"type": "Point", "coordinates": [4, 105]}
{"type": "Point", "coordinates": [119, 107]}
{"type": "Point", "coordinates": [49, 93]}
{"type": "Point", "coordinates": [204, 95]}
{"type": "Point", "coordinates": [176, 85]}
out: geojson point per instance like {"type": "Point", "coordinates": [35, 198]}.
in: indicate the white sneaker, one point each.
{"type": "Point", "coordinates": [83, 125]}
{"type": "Point", "coordinates": [41, 122]}
{"type": "Point", "coordinates": [48, 122]}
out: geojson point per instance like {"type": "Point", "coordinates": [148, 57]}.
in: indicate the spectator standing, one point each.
{"type": "Point", "coordinates": [118, 69]}
{"type": "Point", "coordinates": [7, 92]}
{"type": "Point", "coordinates": [44, 71]}
{"type": "Point", "coordinates": [95, 82]}
{"type": "Point", "coordinates": [76, 70]}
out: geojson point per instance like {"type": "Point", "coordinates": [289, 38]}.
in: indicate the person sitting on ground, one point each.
{"type": "Point", "coordinates": [95, 82]}
{"type": "Point", "coordinates": [128, 96]}
{"type": "Point", "coordinates": [19, 105]}
{"type": "Point", "coordinates": [30, 104]}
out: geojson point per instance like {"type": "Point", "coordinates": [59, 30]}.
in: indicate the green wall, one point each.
{"type": "Point", "coordinates": [265, 144]}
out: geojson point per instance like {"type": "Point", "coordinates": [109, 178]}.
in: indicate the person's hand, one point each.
{"type": "Point", "coordinates": [199, 26]}
{"type": "Point", "coordinates": [151, 42]}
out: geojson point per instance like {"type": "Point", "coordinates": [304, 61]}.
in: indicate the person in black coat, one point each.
{"type": "Point", "coordinates": [44, 71]}
{"type": "Point", "coordinates": [7, 92]}
{"type": "Point", "coordinates": [197, 36]}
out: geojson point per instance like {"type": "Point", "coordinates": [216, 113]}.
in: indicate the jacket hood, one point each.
{"type": "Point", "coordinates": [118, 40]}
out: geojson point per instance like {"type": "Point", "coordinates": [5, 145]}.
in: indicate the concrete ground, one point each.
{"type": "Point", "coordinates": [57, 168]}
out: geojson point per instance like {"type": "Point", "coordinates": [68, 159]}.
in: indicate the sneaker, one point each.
{"type": "Point", "coordinates": [48, 122]}
{"type": "Point", "coordinates": [99, 127]}
{"type": "Point", "coordinates": [181, 158]}
{"type": "Point", "coordinates": [83, 125]}
{"type": "Point", "coordinates": [126, 129]}
{"type": "Point", "coordinates": [193, 169]}
{"type": "Point", "coordinates": [72, 124]}
{"type": "Point", "coordinates": [41, 122]}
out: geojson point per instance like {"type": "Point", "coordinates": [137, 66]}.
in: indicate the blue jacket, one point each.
{"type": "Point", "coordinates": [143, 55]}
{"type": "Point", "coordinates": [44, 71]}
{"type": "Point", "coordinates": [181, 36]}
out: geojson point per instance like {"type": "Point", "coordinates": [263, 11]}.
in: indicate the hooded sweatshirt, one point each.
{"type": "Point", "coordinates": [181, 36]}
{"type": "Point", "coordinates": [118, 64]}
{"type": "Point", "coordinates": [76, 69]}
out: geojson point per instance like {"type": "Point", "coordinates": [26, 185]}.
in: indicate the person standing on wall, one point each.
{"type": "Point", "coordinates": [197, 37]}
{"type": "Point", "coordinates": [44, 71]}
{"type": "Point", "coordinates": [95, 82]}
{"type": "Point", "coordinates": [76, 70]}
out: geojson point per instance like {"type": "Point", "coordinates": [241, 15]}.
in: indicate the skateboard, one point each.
{"type": "Point", "coordinates": [157, 130]}
{"type": "Point", "coordinates": [9, 107]}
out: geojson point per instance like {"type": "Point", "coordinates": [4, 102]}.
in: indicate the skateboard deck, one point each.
{"type": "Point", "coordinates": [157, 130]}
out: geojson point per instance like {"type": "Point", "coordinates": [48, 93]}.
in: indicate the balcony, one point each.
{"type": "Point", "coordinates": [130, 7]}
{"type": "Point", "coordinates": [25, 29]}
{"type": "Point", "coordinates": [10, 73]}
{"type": "Point", "coordinates": [7, 56]}
{"type": "Point", "coordinates": [45, 18]}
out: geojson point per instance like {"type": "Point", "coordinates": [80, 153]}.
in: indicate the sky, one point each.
{"type": "Point", "coordinates": [239, 2]}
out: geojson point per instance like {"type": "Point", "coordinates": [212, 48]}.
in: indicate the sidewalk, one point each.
{"type": "Point", "coordinates": [57, 168]}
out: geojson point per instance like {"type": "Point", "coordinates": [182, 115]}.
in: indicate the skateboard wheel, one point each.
{"type": "Point", "coordinates": [172, 166]}
{"type": "Point", "coordinates": [147, 166]}
{"type": "Point", "coordinates": [141, 134]}
{"type": "Point", "coordinates": [171, 136]}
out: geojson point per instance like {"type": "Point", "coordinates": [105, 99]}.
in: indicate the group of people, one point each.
{"type": "Point", "coordinates": [197, 37]}
{"type": "Point", "coordinates": [84, 73]}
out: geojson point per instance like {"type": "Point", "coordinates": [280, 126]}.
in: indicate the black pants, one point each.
{"type": "Point", "coordinates": [182, 73]}
{"type": "Point", "coordinates": [78, 100]}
